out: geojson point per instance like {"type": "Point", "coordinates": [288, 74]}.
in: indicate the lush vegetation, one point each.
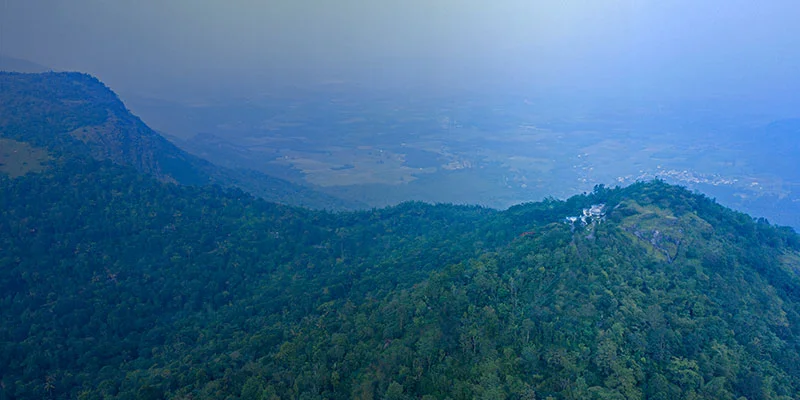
{"type": "Point", "coordinates": [114, 284]}
{"type": "Point", "coordinates": [20, 158]}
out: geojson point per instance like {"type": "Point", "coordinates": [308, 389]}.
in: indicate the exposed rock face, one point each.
{"type": "Point", "coordinates": [52, 110]}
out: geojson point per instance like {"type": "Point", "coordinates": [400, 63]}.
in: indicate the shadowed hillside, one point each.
{"type": "Point", "coordinates": [73, 113]}
{"type": "Point", "coordinates": [116, 285]}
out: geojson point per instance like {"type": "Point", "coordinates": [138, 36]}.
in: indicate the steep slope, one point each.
{"type": "Point", "coordinates": [75, 113]}
{"type": "Point", "coordinates": [114, 285]}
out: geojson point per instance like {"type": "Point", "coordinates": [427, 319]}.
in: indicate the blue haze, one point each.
{"type": "Point", "coordinates": [716, 79]}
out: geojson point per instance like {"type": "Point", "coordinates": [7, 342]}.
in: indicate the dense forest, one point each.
{"type": "Point", "coordinates": [115, 284]}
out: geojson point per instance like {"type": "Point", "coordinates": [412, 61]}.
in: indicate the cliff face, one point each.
{"type": "Point", "coordinates": [49, 108]}
{"type": "Point", "coordinates": [74, 113]}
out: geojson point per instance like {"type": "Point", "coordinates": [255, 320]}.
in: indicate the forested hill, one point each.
{"type": "Point", "coordinates": [72, 113]}
{"type": "Point", "coordinates": [116, 285]}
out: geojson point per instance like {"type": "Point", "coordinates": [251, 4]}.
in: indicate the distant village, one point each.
{"type": "Point", "coordinates": [684, 176]}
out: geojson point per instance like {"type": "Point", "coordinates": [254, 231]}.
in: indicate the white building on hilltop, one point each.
{"type": "Point", "coordinates": [595, 213]}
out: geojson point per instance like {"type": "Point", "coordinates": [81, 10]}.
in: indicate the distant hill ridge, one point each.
{"type": "Point", "coordinates": [12, 64]}
{"type": "Point", "coordinates": [53, 109]}
{"type": "Point", "coordinates": [114, 285]}
{"type": "Point", "coordinates": [118, 285]}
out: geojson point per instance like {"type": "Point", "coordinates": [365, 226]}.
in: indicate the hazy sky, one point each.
{"type": "Point", "coordinates": [180, 48]}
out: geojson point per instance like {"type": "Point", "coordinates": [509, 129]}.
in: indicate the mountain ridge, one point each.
{"type": "Point", "coordinates": [115, 284]}
{"type": "Point", "coordinates": [164, 291]}
{"type": "Point", "coordinates": [13, 64]}
{"type": "Point", "coordinates": [50, 109]}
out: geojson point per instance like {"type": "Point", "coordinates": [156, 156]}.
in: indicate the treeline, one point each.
{"type": "Point", "coordinates": [115, 285]}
